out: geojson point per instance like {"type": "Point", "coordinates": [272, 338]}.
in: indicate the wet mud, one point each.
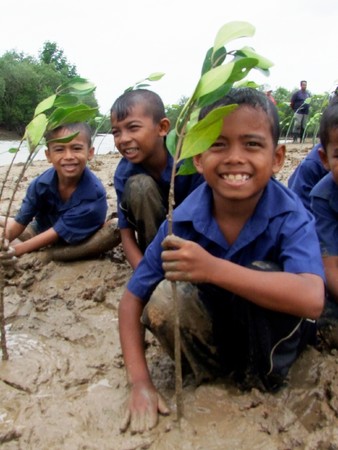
{"type": "Point", "coordinates": [64, 384]}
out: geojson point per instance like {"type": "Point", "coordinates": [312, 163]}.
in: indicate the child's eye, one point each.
{"type": "Point", "coordinates": [253, 144]}
{"type": "Point", "coordinates": [134, 127]}
{"type": "Point", "coordinates": [218, 145]}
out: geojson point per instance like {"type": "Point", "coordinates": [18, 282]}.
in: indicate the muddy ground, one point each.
{"type": "Point", "coordinates": [64, 385]}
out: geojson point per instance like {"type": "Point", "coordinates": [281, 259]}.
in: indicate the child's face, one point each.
{"type": "Point", "coordinates": [138, 137]}
{"type": "Point", "coordinates": [240, 163]}
{"type": "Point", "coordinates": [69, 159]}
{"type": "Point", "coordinates": [330, 158]}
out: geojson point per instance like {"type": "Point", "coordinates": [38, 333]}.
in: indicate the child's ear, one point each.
{"type": "Point", "coordinates": [198, 163]}
{"type": "Point", "coordinates": [164, 126]}
{"type": "Point", "coordinates": [279, 158]}
{"type": "Point", "coordinates": [47, 153]}
{"type": "Point", "coordinates": [323, 157]}
{"type": "Point", "coordinates": [91, 153]}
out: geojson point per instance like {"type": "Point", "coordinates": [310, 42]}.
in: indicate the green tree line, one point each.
{"type": "Point", "coordinates": [25, 81]}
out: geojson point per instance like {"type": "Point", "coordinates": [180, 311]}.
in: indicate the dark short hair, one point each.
{"type": "Point", "coordinates": [249, 97]}
{"type": "Point", "coordinates": [72, 127]}
{"type": "Point", "coordinates": [328, 122]}
{"type": "Point", "coordinates": [152, 103]}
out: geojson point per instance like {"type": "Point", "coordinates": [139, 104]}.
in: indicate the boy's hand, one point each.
{"type": "Point", "coordinates": [143, 407]}
{"type": "Point", "coordinates": [7, 254]}
{"type": "Point", "coordinates": [185, 260]}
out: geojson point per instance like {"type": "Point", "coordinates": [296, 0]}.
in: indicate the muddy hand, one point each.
{"type": "Point", "coordinates": [142, 410]}
{"type": "Point", "coordinates": [7, 254]}
{"type": "Point", "coordinates": [184, 260]}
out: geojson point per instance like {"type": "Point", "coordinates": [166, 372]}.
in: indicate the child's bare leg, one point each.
{"type": "Point", "coordinates": [198, 349]}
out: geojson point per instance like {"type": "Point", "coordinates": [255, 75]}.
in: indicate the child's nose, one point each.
{"type": "Point", "coordinates": [124, 136]}
{"type": "Point", "coordinates": [234, 154]}
{"type": "Point", "coordinates": [68, 153]}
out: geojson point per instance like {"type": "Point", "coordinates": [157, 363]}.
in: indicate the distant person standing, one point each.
{"type": "Point", "coordinates": [301, 109]}
{"type": "Point", "coordinates": [268, 93]}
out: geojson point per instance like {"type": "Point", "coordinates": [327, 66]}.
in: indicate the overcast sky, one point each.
{"type": "Point", "coordinates": [117, 43]}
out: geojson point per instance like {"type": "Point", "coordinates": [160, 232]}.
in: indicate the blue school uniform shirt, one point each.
{"type": "Point", "coordinates": [74, 220]}
{"type": "Point", "coordinates": [184, 184]}
{"type": "Point", "coordinates": [324, 204]}
{"type": "Point", "coordinates": [306, 176]}
{"type": "Point", "coordinates": [281, 230]}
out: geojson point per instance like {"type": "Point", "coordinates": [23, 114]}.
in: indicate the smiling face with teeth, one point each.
{"type": "Point", "coordinates": [138, 137]}
{"type": "Point", "coordinates": [70, 158]}
{"type": "Point", "coordinates": [241, 162]}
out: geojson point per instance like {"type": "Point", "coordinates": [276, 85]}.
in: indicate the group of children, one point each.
{"type": "Point", "coordinates": [246, 254]}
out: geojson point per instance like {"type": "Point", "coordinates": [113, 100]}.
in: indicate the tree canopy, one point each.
{"type": "Point", "coordinates": [25, 81]}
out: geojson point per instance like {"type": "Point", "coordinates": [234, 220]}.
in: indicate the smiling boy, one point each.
{"type": "Point", "coordinates": [65, 204]}
{"type": "Point", "coordinates": [142, 177]}
{"type": "Point", "coordinates": [247, 261]}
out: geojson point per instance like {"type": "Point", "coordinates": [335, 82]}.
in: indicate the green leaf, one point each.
{"type": "Point", "coordinates": [171, 142]}
{"type": "Point", "coordinates": [213, 61]}
{"type": "Point", "coordinates": [155, 76]}
{"type": "Point", "coordinates": [207, 61]}
{"type": "Point", "coordinates": [78, 113]}
{"type": "Point", "coordinates": [65, 100]}
{"type": "Point", "coordinates": [241, 68]}
{"type": "Point", "coordinates": [187, 167]}
{"type": "Point", "coordinates": [141, 85]}
{"type": "Point", "coordinates": [13, 150]}
{"type": "Point", "coordinates": [35, 130]}
{"type": "Point", "coordinates": [213, 79]}
{"type": "Point", "coordinates": [215, 95]}
{"type": "Point", "coordinates": [247, 83]}
{"type": "Point", "coordinates": [65, 139]}
{"type": "Point", "coordinates": [263, 63]}
{"type": "Point", "coordinates": [47, 103]}
{"type": "Point", "coordinates": [231, 31]}
{"type": "Point", "coordinates": [77, 86]}
{"type": "Point", "coordinates": [82, 86]}
{"type": "Point", "coordinates": [205, 132]}
{"type": "Point", "coordinates": [82, 93]}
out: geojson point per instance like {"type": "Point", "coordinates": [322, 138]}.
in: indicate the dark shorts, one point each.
{"type": "Point", "coordinates": [223, 334]}
{"type": "Point", "coordinates": [143, 206]}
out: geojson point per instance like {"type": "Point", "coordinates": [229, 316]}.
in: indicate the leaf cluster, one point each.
{"type": "Point", "coordinates": [221, 70]}
{"type": "Point", "coordinates": [63, 107]}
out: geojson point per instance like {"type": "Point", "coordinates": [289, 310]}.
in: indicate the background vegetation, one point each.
{"type": "Point", "coordinates": [25, 81]}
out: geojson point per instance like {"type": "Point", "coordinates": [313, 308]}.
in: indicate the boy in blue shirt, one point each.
{"type": "Point", "coordinates": [324, 204]}
{"type": "Point", "coordinates": [65, 204]}
{"type": "Point", "coordinates": [142, 177]}
{"type": "Point", "coordinates": [247, 261]}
